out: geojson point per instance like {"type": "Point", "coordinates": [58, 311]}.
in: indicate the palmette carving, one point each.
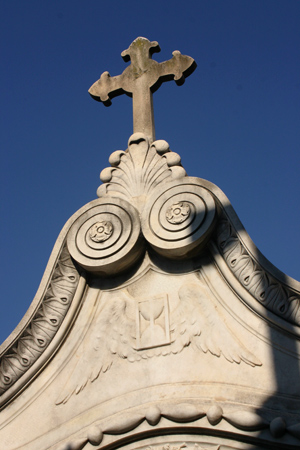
{"type": "Point", "coordinates": [177, 212]}
{"type": "Point", "coordinates": [195, 321]}
{"type": "Point", "coordinates": [136, 172]}
{"type": "Point", "coordinates": [45, 323]}
{"type": "Point", "coordinates": [266, 289]}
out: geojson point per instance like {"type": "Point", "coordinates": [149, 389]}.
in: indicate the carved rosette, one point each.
{"type": "Point", "coordinates": [178, 212]}
{"type": "Point", "coordinates": [179, 218]}
{"type": "Point", "coordinates": [105, 238]}
{"type": "Point", "coordinates": [146, 181]}
{"type": "Point", "coordinates": [101, 231]}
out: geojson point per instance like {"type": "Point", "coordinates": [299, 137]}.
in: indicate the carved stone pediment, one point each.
{"type": "Point", "coordinates": [158, 325]}
{"type": "Point", "coordinates": [201, 327]}
{"type": "Point", "coordinates": [167, 329]}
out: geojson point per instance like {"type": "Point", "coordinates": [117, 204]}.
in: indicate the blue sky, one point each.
{"type": "Point", "coordinates": [234, 122]}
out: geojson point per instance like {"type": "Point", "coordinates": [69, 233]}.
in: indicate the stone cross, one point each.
{"type": "Point", "coordinates": [139, 80]}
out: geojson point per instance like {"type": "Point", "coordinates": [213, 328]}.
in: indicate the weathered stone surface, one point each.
{"type": "Point", "coordinates": [141, 79]}
{"type": "Point", "coordinates": [158, 324]}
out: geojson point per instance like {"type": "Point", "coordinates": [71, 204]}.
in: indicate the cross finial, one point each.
{"type": "Point", "coordinates": [139, 80]}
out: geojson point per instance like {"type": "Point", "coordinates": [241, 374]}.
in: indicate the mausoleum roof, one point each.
{"type": "Point", "coordinates": [156, 315]}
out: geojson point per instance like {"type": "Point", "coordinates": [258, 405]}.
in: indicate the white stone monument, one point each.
{"type": "Point", "coordinates": [158, 324]}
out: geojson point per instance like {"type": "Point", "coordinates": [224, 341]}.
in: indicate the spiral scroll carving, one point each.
{"type": "Point", "coordinates": [105, 238]}
{"type": "Point", "coordinates": [179, 218]}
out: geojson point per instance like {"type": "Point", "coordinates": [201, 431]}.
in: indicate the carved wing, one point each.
{"type": "Point", "coordinates": [111, 333]}
{"type": "Point", "coordinates": [197, 320]}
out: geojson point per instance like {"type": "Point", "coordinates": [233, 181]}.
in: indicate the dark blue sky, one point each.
{"type": "Point", "coordinates": [234, 122]}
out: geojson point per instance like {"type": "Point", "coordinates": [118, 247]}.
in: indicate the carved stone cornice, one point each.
{"type": "Point", "coordinates": [274, 295]}
{"type": "Point", "coordinates": [33, 340]}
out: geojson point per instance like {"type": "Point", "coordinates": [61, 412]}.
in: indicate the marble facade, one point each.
{"type": "Point", "coordinates": [158, 324]}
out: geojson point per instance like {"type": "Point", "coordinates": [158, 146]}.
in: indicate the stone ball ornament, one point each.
{"type": "Point", "coordinates": [106, 237]}
{"type": "Point", "coordinates": [179, 217]}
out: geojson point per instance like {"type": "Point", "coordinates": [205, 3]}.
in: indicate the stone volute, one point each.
{"type": "Point", "coordinates": [158, 324]}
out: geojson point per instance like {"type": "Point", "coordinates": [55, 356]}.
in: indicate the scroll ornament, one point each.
{"type": "Point", "coordinates": [145, 195]}
{"type": "Point", "coordinates": [178, 218]}
{"type": "Point", "coordinates": [106, 236]}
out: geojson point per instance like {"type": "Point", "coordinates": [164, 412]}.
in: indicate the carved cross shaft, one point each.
{"type": "Point", "coordinates": [139, 80]}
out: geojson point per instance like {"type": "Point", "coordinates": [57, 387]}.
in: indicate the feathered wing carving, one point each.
{"type": "Point", "coordinates": [111, 333]}
{"type": "Point", "coordinates": [196, 321]}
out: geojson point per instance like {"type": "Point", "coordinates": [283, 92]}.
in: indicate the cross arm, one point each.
{"type": "Point", "coordinates": [140, 79]}
{"type": "Point", "coordinates": [178, 68]}
{"type": "Point", "coordinates": [106, 88]}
